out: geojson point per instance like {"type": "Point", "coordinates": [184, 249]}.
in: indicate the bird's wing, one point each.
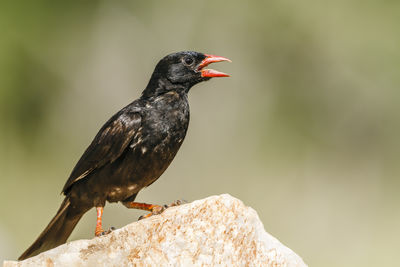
{"type": "Point", "coordinates": [109, 143]}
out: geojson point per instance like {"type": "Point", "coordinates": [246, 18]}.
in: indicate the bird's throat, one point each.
{"type": "Point", "coordinates": [159, 86]}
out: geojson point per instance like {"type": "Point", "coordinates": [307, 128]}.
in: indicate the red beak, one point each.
{"type": "Point", "coordinates": [209, 72]}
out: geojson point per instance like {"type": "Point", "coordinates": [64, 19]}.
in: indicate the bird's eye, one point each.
{"type": "Point", "coordinates": [188, 60]}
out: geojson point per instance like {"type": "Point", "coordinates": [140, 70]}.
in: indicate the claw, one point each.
{"type": "Point", "coordinates": [105, 232]}
{"type": "Point", "coordinates": [178, 202]}
{"type": "Point", "coordinates": [144, 216]}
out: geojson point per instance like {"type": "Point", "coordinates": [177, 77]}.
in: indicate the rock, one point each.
{"type": "Point", "coordinates": [218, 230]}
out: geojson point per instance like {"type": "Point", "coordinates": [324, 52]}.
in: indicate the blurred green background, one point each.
{"type": "Point", "coordinates": [305, 131]}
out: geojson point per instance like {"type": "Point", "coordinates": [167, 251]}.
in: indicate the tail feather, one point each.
{"type": "Point", "coordinates": [56, 232]}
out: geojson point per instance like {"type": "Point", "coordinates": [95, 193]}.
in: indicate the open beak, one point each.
{"type": "Point", "coordinates": [209, 72]}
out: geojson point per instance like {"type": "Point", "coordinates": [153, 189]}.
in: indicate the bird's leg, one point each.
{"type": "Point", "coordinates": [154, 209]}
{"type": "Point", "coordinates": [144, 206]}
{"type": "Point", "coordinates": [99, 229]}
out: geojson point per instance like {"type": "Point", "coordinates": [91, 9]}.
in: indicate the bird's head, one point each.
{"type": "Point", "coordinates": [184, 69]}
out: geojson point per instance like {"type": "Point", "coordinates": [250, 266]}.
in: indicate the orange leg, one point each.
{"type": "Point", "coordinates": [99, 229]}
{"type": "Point", "coordinates": [143, 206]}
{"type": "Point", "coordinates": [154, 209]}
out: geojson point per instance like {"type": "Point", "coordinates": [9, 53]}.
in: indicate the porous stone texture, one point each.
{"type": "Point", "coordinates": [216, 231]}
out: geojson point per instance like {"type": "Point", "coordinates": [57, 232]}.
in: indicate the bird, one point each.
{"type": "Point", "coordinates": [132, 149]}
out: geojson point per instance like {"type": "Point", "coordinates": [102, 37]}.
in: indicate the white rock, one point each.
{"type": "Point", "coordinates": [216, 231]}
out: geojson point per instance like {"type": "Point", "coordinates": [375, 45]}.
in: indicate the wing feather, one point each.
{"type": "Point", "coordinates": [109, 143]}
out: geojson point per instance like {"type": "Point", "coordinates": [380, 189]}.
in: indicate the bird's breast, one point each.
{"type": "Point", "coordinates": [156, 142]}
{"type": "Point", "coordinates": [164, 124]}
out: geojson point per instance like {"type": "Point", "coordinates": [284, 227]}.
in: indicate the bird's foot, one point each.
{"type": "Point", "coordinates": [156, 209]}
{"type": "Point", "coordinates": [101, 232]}
{"type": "Point", "coordinates": [177, 203]}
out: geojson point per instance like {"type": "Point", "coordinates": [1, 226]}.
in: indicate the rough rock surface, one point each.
{"type": "Point", "coordinates": [216, 231]}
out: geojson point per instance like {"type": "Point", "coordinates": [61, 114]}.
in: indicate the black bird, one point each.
{"type": "Point", "coordinates": [132, 149]}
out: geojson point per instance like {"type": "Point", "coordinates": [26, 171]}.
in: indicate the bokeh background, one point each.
{"type": "Point", "coordinates": [306, 131]}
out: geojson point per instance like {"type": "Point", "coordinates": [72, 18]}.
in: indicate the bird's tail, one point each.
{"type": "Point", "coordinates": [58, 230]}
